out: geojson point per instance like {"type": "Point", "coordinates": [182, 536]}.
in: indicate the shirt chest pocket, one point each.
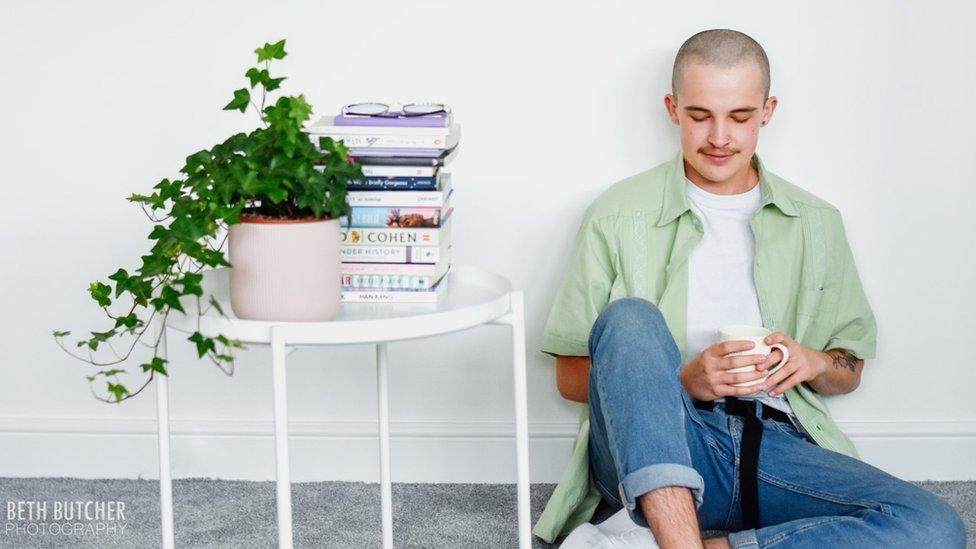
{"type": "Point", "coordinates": [811, 300]}
{"type": "Point", "coordinates": [813, 297]}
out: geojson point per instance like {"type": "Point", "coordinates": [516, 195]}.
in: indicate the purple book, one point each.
{"type": "Point", "coordinates": [429, 121]}
{"type": "Point", "coordinates": [384, 151]}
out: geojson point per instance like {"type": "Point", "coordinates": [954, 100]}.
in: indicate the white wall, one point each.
{"type": "Point", "coordinates": [557, 101]}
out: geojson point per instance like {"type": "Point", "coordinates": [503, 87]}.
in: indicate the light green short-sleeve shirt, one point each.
{"type": "Point", "coordinates": [634, 241]}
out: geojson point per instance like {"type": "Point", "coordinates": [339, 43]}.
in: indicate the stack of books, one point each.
{"type": "Point", "coordinates": [396, 242]}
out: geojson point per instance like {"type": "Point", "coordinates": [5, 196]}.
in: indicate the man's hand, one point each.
{"type": "Point", "coordinates": [707, 376]}
{"type": "Point", "coordinates": [804, 364]}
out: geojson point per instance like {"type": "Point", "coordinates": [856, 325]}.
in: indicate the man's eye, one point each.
{"type": "Point", "coordinates": [741, 121]}
{"type": "Point", "coordinates": [699, 119]}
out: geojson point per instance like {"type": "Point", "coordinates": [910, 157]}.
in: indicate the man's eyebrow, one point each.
{"type": "Point", "coordinates": [703, 109]}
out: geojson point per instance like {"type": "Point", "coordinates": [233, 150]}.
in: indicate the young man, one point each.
{"type": "Point", "coordinates": [661, 261]}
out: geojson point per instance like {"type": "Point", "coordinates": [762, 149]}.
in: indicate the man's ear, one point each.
{"type": "Point", "coordinates": [671, 104]}
{"type": "Point", "coordinates": [768, 109]}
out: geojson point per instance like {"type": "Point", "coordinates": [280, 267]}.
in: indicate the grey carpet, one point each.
{"type": "Point", "coordinates": [239, 514]}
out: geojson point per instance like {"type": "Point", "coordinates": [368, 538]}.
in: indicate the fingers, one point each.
{"type": "Point", "coordinates": [786, 384]}
{"type": "Point", "coordinates": [742, 391]}
{"type": "Point", "coordinates": [733, 346]}
{"type": "Point", "coordinates": [731, 378]}
{"type": "Point", "coordinates": [738, 361]}
{"type": "Point", "coordinates": [732, 390]}
{"type": "Point", "coordinates": [779, 337]}
{"type": "Point", "coordinates": [781, 374]}
{"type": "Point", "coordinates": [772, 358]}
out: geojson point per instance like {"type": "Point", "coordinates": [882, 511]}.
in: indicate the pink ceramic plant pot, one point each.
{"type": "Point", "coordinates": [285, 269]}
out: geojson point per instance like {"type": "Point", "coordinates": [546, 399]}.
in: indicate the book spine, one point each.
{"type": "Point", "coordinates": [404, 141]}
{"type": "Point", "coordinates": [374, 181]}
{"type": "Point", "coordinates": [442, 160]}
{"type": "Point", "coordinates": [395, 184]}
{"type": "Point", "coordinates": [409, 269]}
{"type": "Point", "coordinates": [390, 216]}
{"type": "Point", "coordinates": [390, 254]}
{"type": "Point", "coordinates": [380, 183]}
{"type": "Point", "coordinates": [386, 282]}
{"type": "Point", "coordinates": [386, 152]}
{"type": "Point", "coordinates": [402, 198]}
{"type": "Point", "coordinates": [373, 296]}
{"type": "Point", "coordinates": [434, 121]}
{"type": "Point", "coordinates": [392, 237]}
{"type": "Point", "coordinates": [400, 171]}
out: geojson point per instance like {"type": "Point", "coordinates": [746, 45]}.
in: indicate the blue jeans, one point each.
{"type": "Point", "coordinates": [645, 434]}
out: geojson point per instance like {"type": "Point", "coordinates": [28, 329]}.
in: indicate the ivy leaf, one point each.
{"type": "Point", "coordinates": [157, 364]}
{"type": "Point", "coordinates": [232, 343]}
{"type": "Point", "coordinates": [100, 293]}
{"type": "Point", "coordinates": [153, 265]}
{"type": "Point", "coordinates": [271, 51]}
{"type": "Point", "coordinates": [300, 109]}
{"type": "Point", "coordinates": [191, 284]}
{"type": "Point", "coordinates": [272, 84]}
{"type": "Point", "coordinates": [57, 333]}
{"type": "Point", "coordinates": [241, 98]}
{"type": "Point", "coordinates": [121, 278]}
{"type": "Point", "coordinates": [129, 321]}
{"type": "Point", "coordinates": [168, 296]}
{"type": "Point", "coordinates": [204, 344]}
{"type": "Point", "coordinates": [98, 337]}
{"type": "Point", "coordinates": [276, 194]}
{"type": "Point", "coordinates": [118, 390]}
{"type": "Point", "coordinates": [215, 304]}
{"type": "Point", "coordinates": [158, 232]}
{"type": "Point", "coordinates": [257, 76]}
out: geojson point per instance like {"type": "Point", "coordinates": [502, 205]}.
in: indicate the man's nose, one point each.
{"type": "Point", "coordinates": [719, 137]}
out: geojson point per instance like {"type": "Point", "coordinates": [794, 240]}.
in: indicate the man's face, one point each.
{"type": "Point", "coordinates": [719, 111]}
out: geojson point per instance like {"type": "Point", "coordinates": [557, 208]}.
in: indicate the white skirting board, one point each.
{"type": "Point", "coordinates": [475, 451]}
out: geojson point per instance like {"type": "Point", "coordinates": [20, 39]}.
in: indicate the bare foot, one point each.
{"type": "Point", "coordinates": [720, 542]}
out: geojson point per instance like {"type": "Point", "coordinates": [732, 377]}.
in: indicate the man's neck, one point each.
{"type": "Point", "coordinates": [740, 183]}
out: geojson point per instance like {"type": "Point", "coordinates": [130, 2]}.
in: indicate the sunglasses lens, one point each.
{"type": "Point", "coordinates": [424, 108]}
{"type": "Point", "coordinates": [366, 109]}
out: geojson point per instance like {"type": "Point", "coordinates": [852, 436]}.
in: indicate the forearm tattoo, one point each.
{"type": "Point", "coordinates": [844, 359]}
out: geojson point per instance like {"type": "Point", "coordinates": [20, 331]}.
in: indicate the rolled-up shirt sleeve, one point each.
{"type": "Point", "coordinates": [582, 294]}
{"type": "Point", "coordinates": [853, 326]}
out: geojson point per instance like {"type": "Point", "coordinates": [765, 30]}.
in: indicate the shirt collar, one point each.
{"type": "Point", "coordinates": [675, 200]}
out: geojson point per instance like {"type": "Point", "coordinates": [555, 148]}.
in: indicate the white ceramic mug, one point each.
{"type": "Point", "coordinates": [757, 334]}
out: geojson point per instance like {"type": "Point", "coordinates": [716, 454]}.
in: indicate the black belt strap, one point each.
{"type": "Point", "coordinates": [749, 457]}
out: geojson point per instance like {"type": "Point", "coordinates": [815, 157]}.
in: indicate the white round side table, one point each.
{"type": "Point", "coordinates": [470, 297]}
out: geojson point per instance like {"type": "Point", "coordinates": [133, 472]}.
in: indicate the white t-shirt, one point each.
{"type": "Point", "coordinates": [721, 288]}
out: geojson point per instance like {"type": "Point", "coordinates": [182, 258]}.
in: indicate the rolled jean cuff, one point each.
{"type": "Point", "coordinates": [657, 476]}
{"type": "Point", "coordinates": [745, 539]}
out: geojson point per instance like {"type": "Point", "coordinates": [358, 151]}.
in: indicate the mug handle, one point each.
{"type": "Point", "coordinates": [786, 357]}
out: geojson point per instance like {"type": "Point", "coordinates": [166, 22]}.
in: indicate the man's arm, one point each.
{"type": "Point", "coordinates": [573, 377]}
{"type": "Point", "coordinates": [842, 375]}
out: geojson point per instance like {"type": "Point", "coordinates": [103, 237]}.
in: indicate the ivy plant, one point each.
{"type": "Point", "coordinates": [274, 171]}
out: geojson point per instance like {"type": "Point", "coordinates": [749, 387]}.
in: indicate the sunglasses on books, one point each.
{"type": "Point", "coordinates": [383, 110]}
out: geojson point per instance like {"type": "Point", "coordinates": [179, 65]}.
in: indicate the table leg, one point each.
{"type": "Point", "coordinates": [283, 481]}
{"type": "Point", "coordinates": [521, 420]}
{"type": "Point", "coordinates": [165, 471]}
{"type": "Point", "coordinates": [386, 486]}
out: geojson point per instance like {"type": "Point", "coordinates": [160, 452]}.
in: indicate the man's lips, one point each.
{"type": "Point", "coordinates": [719, 155]}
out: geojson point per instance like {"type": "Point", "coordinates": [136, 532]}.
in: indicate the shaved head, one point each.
{"type": "Point", "coordinates": [723, 48]}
